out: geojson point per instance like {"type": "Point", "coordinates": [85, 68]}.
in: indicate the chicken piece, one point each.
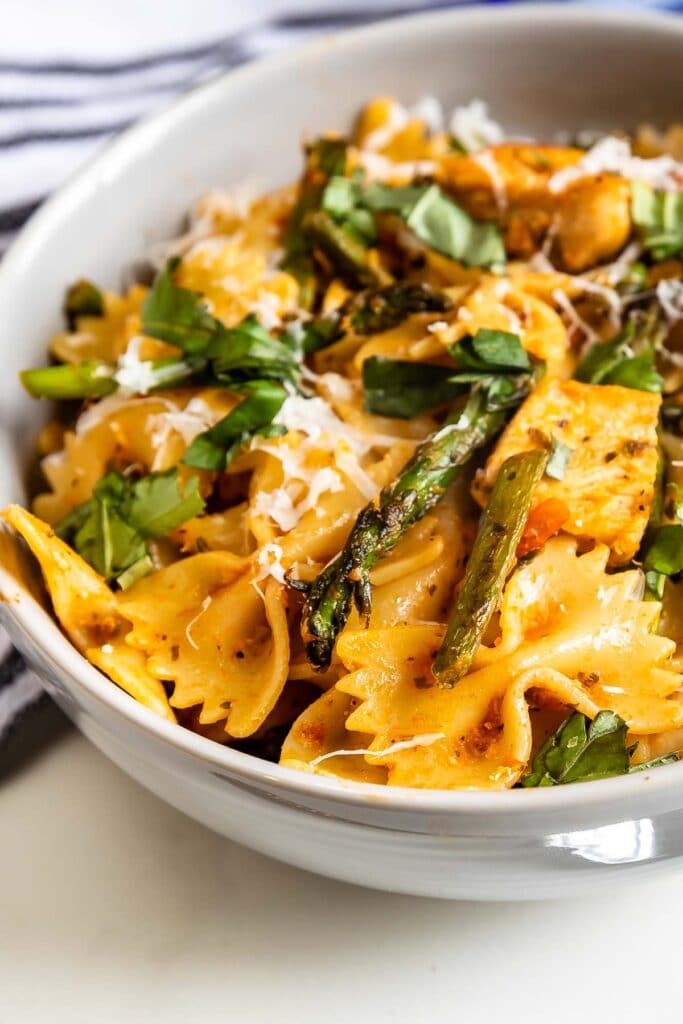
{"type": "Point", "coordinates": [592, 222]}
{"type": "Point", "coordinates": [511, 183]}
{"type": "Point", "coordinates": [608, 484]}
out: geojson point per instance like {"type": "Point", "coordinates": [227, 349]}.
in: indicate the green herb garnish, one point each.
{"type": "Point", "coordinates": [627, 360]}
{"type": "Point", "coordinates": [177, 315]}
{"type": "Point", "coordinates": [581, 750]}
{"type": "Point", "coordinates": [659, 216]}
{"type": "Point", "coordinates": [558, 459]}
{"type": "Point", "coordinates": [215, 448]}
{"type": "Point", "coordinates": [111, 530]}
{"type": "Point", "coordinates": [400, 388]}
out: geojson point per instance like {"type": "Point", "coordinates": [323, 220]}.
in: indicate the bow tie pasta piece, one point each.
{"type": "Point", "coordinates": [415, 582]}
{"type": "Point", "coordinates": [609, 481]}
{"type": "Point", "coordinates": [497, 305]}
{"type": "Point", "coordinates": [570, 630]}
{"type": "Point", "coordinates": [151, 433]}
{"type": "Point", "coordinates": [88, 612]}
{"type": "Point", "coordinates": [319, 731]}
{"type": "Point", "coordinates": [205, 627]}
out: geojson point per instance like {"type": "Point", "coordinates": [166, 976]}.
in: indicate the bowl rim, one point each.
{"type": "Point", "coordinates": [39, 628]}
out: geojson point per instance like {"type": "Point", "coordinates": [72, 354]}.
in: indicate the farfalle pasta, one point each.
{"type": "Point", "coordinates": [379, 477]}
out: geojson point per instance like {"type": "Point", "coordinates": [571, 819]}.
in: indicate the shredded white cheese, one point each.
{"type": "Point", "coordinates": [380, 168]}
{"type": "Point", "coordinates": [614, 156]}
{"type": "Point", "coordinates": [670, 298]}
{"type": "Point", "coordinates": [487, 162]}
{"type": "Point", "coordinates": [473, 128]}
{"type": "Point", "coordinates": [135, 375]}
{"type": "Point", "coordinates": [575, 321]}
{"type": "Point", "coordinates": [188, 628]}
{"type": "Point", "coordinates": [422, 740]}
{"type": "Point", "coordinates": [270, 561]}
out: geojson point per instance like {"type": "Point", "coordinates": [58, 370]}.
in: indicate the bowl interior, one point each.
{"type": "Point", "coordinates": [541, 70]}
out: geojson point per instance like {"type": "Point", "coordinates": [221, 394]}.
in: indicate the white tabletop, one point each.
{"type": "Point", "coordinates": [116, 908]}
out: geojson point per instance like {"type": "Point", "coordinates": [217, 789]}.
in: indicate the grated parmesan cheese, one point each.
{"type": "Point", "coordinates": [487, 162]}
{"type": "Point", "coordinates": [269, 560]}
{"type": "Point", "coordinates": [614, 156]}
{"type": "Point", "coordinates": [188, 628]}
{"type": "Point", "coordinates": [422, 740]}
{"type": "Point", "coordinates": [380, 168]}
{"type": "Point", "coordinates": [135, 375]}
{"type": "Point", "coordinates": [670, 297]}
{"type": "Point", "coordinates": [473, 128]}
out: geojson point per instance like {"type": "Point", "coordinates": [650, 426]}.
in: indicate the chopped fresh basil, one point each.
{"type": "Point", "coordinates": [342, 200]}
{"type": "Point", "coordinates": [659, 216]}
{"type": "Point", "coordinates": [400, 199]}
{"type": "Point", "coordinates": [400, 388]}
{"type": "Point", "coordinates": [249, 352]}
{"type": "Point", "coordinates": [443, 225]}
{"type": "Point", "coordinates": [627, 360]}
{"type": "Point", "coordinates": [490, 351]}
{"type": "Point", "coordinates": [215, 448]}
{"type": "Point", "coordinates": [558, 459]}
{"type": "Point", "coordinates": [82, 380]}
{"type": "Point", "coordinates": [111, 530]}
{"type": "Point", "coordinates": [581, 750]}
{"type": "Point", "coordinates": [82, 299]}
{"type": "Point", "coordinates": [440, 223]}
{"type": "Point", "coordinates": [656, 762]}
{"type": "Point", "coordinates": [664, 553]}
{"type": "Point", "coordinates": [374, 311]}
{"type": "Point", "coordinates": [177, 315]}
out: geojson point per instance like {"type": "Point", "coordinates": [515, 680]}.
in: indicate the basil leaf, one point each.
{"type": "Point", "coordinates": [581, 750]}
{"type": "Point", "coordinates": [177, 315]}
{"type": "Point", "coordinates": [665, 552]}
{"type": "Point", "coordinates": [639, 372]}
{"type": "Point", "coordinates": [659, 216]}
{"type": "Point", "coordinates": [82, 299]}
{"type": "Point", "coordinates": [489, 352]}
{"type": "Point", "coordinates": [618, 362]}
{"type": "Point", "coordinates": [374, 311]}
{"type": "Point", "coordinates": [443, 225]}
{"type": "Point", "coordinates": [216, 447]}
{"type": "Point", "coordinates": [645, 766]}
{"type": "Point", "coordinates": [110, 531]}
{"type": "Point", "coordinates": [154, 505]}
{"type": "Point", "coordinates": [83, 380]}
{"type": "Point", "coordinates": [558, 460]}
{"type": "Point", "coordinates": [403, 389]}
{"type": "Point", "coordinates": [248, 351]}
{"type": "Point", "coordinates": [399, 199]}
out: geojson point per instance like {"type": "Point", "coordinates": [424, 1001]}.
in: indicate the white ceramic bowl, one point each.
{"type": "Point", "coordinates": [541, 69]}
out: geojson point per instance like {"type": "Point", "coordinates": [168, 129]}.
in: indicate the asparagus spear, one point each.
{"type": "Point", "coordinates": [500, 530]}
{"type": "Point", "coordinates": [379, 527]}
{"type": "Point", "coordinates": [348, 255]}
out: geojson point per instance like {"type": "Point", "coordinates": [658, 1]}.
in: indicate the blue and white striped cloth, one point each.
{"type": "Point", "coordinates": [56, 111]}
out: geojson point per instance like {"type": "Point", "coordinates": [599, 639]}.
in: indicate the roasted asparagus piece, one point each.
{"type": "Point", "coordinates": [500, 529]}
{"type": "Point", "coordinates": [381, 524]}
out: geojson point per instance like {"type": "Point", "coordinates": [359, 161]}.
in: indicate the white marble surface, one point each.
{"type": "Point", "coordinates": [115, 908]}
